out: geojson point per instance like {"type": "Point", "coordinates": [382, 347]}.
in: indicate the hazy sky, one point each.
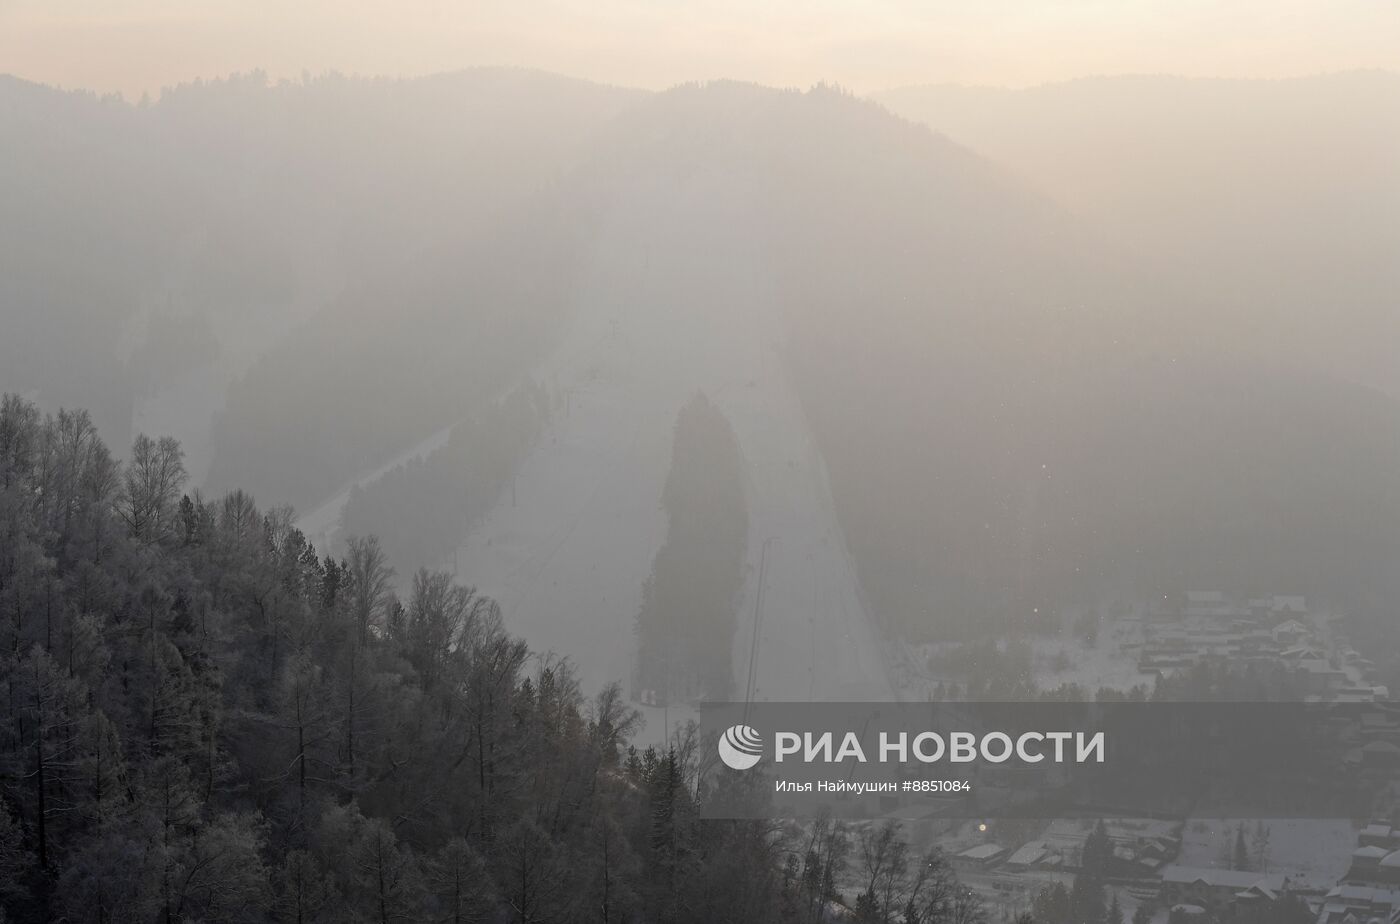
{"type": "Point", "coordinates": [136, 45]}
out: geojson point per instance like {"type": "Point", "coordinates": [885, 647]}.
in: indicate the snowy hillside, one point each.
{"type": "Point", "coordinates": [675, 301]}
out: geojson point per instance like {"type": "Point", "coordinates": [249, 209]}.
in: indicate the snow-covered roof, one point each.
{"type": "Point", "coordinates": [1357, 894]}
{"type": "Point", "coordinates": [981, 852]}
{"type": "Point", "coordinates": [1028, 854]}
{"type": "Point", "coordinates": [1220, 878]}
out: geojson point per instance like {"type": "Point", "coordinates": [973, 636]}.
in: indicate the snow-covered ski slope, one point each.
{"type": "Point", "coordinates": [674, 301]}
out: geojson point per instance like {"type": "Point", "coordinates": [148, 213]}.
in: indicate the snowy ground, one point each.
{"type": "Point", "coordinates": [1315, 850]}
{"type": "Point", "coordinates": [674, 304]}
{"type": "Point", "coordinates": [1111, 662]}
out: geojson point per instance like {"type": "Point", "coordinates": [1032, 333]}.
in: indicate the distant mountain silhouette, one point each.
{"type": "Point", "coordinates": [1021, 404]}
{"type": "Point", "coordinates": [1016, 414]}
{"type": "Point", "coordinates": [1274, 203]}
{"type": "Point", "coordinates": [261, 208]}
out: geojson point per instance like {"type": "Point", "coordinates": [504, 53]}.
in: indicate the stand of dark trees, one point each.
{"type": "Point", "coordinates": [205, 721]}
{"type": "Point", "coordinates": [685, 628]}
{"type": "Point", "coordinates": [202, 720]}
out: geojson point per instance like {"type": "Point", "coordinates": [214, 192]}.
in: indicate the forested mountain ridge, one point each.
{"type": "Point", "coordinates": [204, 721]}
{"type": "Point", "coordinates": [1018, 413]}
{"type": "Point", "coordinates": [273, 219]}
{"type": "Point", "coordinates": [1274, 202]}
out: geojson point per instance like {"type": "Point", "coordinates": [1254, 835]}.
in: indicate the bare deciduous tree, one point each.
{"type": "Point", "coordinates": [371, 582]}
{"type": "Point", "coordinates": [154, 475]}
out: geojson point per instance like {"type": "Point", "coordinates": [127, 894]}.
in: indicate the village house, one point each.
{"type": "Point", "coordinates": [1210, 625]}
{"type": "Point", "coordinates": [1374, 866]}
{"type": "Point", "coordinates": [1219, 891]}
{"type": "Point", "coordinates": [1291, 633]}
{"type": "Point", "coordinates": [980, 857]}
{"type": "Point", "coordinates": [1027, 856]}
{"type": "Point", "coordinates": [1376, 758]}
{"type": "Point", "coordinates": [1379, 834]}
{"type": "Point", "coordinates": [1355, 904]}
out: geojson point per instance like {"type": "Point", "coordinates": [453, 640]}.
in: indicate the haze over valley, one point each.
{"type": "Point", "coordinates": [978, 368]}
{"type": "Point", "coordinates": [442, 447]}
